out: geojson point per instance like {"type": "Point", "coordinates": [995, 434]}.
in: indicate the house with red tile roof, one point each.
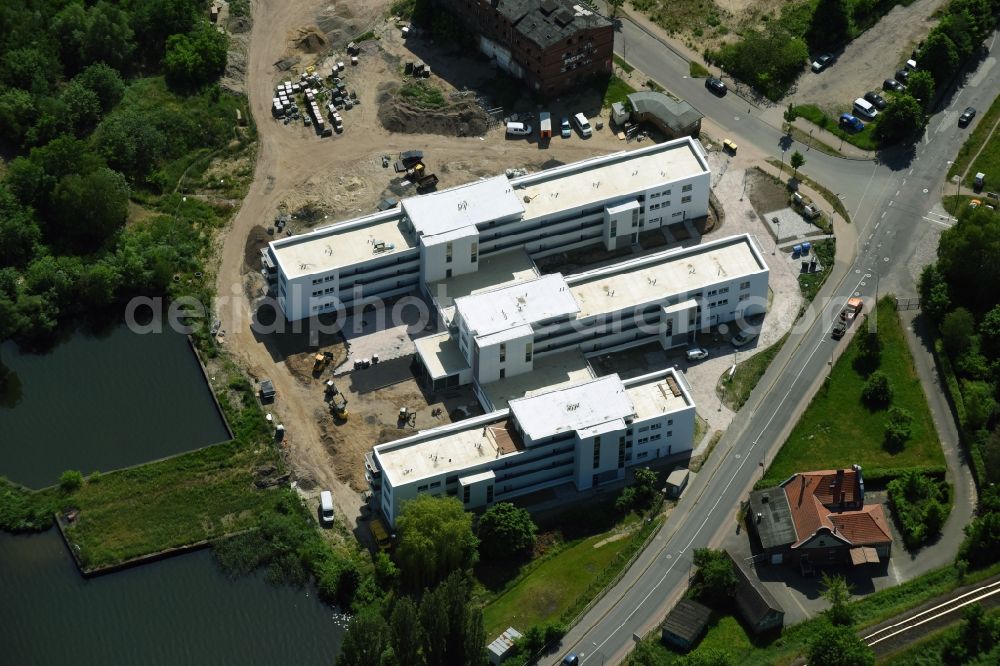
{"type": "Point", "coordinates": [817, 518]}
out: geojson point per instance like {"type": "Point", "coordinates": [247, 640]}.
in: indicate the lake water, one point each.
{"type": "Point", "coordinates": [177, 611]}
{"type": "Point", "coordinates": [101, 403]}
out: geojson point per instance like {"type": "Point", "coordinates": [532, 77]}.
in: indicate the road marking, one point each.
{"type": "Point", "coordinates": [904, 182]}
{"type": "Point", "coordinates": [882, 218]}
{"type": "Point", "coordinates": [897, 193]}
{"type": "Point", "coordinates": [878, 223]}
{"type": "Point", "coordinates": [943, 224]}
{"type": "Point", "coordinates": [910, 172]}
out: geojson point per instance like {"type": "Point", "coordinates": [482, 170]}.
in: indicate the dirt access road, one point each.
{"type": "Point", "coordinates": [344, 175]}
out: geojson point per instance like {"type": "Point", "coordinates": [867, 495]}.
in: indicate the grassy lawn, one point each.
{"type": "Point", "coordinates": [183, 500]}
{"type": "Point", "coordinates": [830, 197]}
{"type": "Point", "coordinates": [620, 61]}
{"type": "Point", "coordinates": [698, 71]}
{"type": "Point", "coordinates": [863, 139]}
{"type": "Point", "coordinates": [422, 94]}
{"type": "Point", "coordinates": [548, 591]}
{"type": "Point", "coordinates": [616, 91]}
{"type": "Point", "coordinates": [734, 391]}
{"type": "Point", "coordinates": [837, 429]}
{"type": "Point", "coordinates": [989, 160]}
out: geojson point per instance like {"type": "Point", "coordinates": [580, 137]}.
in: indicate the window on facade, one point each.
{"type": "Point", "coordinates": [654, 195]}
{"type": "Point", "coordinates": [317, 281]}
{"type": "Point", "coordinates": [687, 188]}
{"type": "Point", "coordinates": [724, 290]}
{"type": "Point", "coordinates": [670, 421]}
{"type": "Point", "coordinates": [678, 213]}
{"type": "Point", "coordinates": [503, 352]}
{"type": "Point", "coordinates": [597, 452]}
{"type": "Point", "coordinates": [475, 252]}
{"type": "Point", "coordinates": [527, 353]}
{"type": "Point", "coordinates": [744, 297]}
{"type": "Point", "coordinates": [465, 494]}
{"type": "Point", "coordinates": [670, 433]}
{"type": "Point", "coordinates": [422, 488]}
{"type": "Point", "coordinates": [614, 228]}
{"type": "Point", "coordinates": [489, 494]}
{"type": "Point", "coordinates": [447, 253]}
{"type": "Point", "coordinates": [713, 292]}
{"type": "Point", "coordinates": [745, 285]}
{"type": "Point", "coordinates": [656, 426]}
{"type": "Point", "coordinates": [686, 199]}
{"type": "Point", "coordinates": [436, 484]}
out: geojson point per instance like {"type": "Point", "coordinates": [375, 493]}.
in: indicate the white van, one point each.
{"type": "Point", "coordinates": [865, 109]}
{"type": "Point", "coordinates": [518, 129]}
{"type": "Point", "coordinates": [326, 507]}
{"type": "Point", "coordinates": [583, 125]}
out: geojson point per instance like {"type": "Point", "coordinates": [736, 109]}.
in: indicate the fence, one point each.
{"type": "Point", "coordinates": [907, 304]}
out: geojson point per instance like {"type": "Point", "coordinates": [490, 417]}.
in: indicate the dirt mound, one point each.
{"type": "Point", "coordinates": [311, 40]}
{"type": "Point", "coordinates": [256, 241]}
{"type": "Point", "coordinates": [461, 119]}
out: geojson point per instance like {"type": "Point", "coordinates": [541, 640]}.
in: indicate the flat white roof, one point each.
{"type": "Point", "coordinates": [655, 397]}
{"type": "Point", "coordinates": [462, 206]}
{"type": "Point", "coordinates": [515, 305]}
{"type": "Point", "coordinates": [341, 244]}
{"type": "Point", "coordinates": [574, 408]}
{"type": "Point", "coordinates": [548, 372]}
{"type": "Point", "coordinates": [495, 271]}
{"type": "Point", "coordinates": [590, 181]}
{"type": "Point", "coordinates": [440, 355]}
{"type": "Point", "coordinates": [654, 277]}
{"type": "Point", "coordinates": [434, 452]}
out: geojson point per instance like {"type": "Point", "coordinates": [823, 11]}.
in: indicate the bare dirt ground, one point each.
{"type": "Point", "coordinates": [870, 59]}
{"type": "Point", "coordinates": [337, 178]}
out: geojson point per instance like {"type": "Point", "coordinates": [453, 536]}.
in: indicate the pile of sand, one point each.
{"type": "Point", "coordinates": [459, 119]}
{"type": "Point", "coordinates": [311, 40]}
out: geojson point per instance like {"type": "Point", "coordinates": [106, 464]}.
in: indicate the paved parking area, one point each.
{"type": "Point", "coordinates": [790, 226]}
{"type": "Point", "coordinates": [387, 332]}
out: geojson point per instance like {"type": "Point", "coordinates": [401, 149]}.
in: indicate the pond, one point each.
{"type": "Point", "coordinates": [182, 610]}
{"type": "Point", "coordinates": [101, 403]}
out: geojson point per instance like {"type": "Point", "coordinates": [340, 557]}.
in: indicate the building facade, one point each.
{"type": "Point", "coordinates": [552, 45]}
{"type": "Point", "coordinates": [585, 435]}
{"type": "Point", "coordinates": [605, 200]}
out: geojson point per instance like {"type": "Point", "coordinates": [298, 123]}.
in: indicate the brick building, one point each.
{"type": "Point", "coordinates": [551, 45]}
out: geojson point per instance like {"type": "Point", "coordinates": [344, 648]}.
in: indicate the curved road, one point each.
{"type": "Point", "coordinates": [892, 201]}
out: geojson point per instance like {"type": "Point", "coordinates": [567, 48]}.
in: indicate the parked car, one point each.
{"type": "Point", "coordinates": [902, 75]}
{"type": "Point", "coordinates": [583, 125]}
{"type": "Point", "coordinates": [518, 129]}
{"type": "Point", "coordinates": [876, 100]}
{"type": "Point", "coordinates": [852, 123]}
{"type": "Point", "coordinates": [822, 62]}
{"type": "Point", "coordinates": [729, 146]}
{"type": "Point", "coordinates": [893, 85]}
{"type": "Point", "coordinates": [326, 507]}
{"type": "Point", "coordinates": [565, 130]}
{"type": "Point", "coordinates": [865, 109]}
{"type": "Point", "coordinates": [716, 86]}
{"type": "Point", "coordinates": [966, 117]}
{"type": "Point", "coordinates": [742, 338]}
{"type": "Point", "coordinates": [570, 660]}
{"type": "Point", "coordinates": [697, 354]}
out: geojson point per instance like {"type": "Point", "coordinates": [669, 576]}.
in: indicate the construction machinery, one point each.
{"type": "Point", "coordinates": [320, 361]}
{"type": "Point", "coordinates": [336, 400]}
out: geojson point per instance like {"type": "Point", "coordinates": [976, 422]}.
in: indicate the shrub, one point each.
{"type": "Point", "coordinates": [506, 531]}
{"type": "Point", "coordinates": [70, 481]}
{"type": "Point", "coordinates": [877, 392]}
{"type": "Point", "coordinates": [920, 506]}
{"type": "Point", "coordinates": [898, 428]}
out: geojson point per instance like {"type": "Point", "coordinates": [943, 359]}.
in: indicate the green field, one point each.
{"type": "Point", "coordinates": [175, 502]}
{"type": "Point", "coordinates": [988, 161]}
{"type": "Point", "coordinates": [864, 139]}
{"type": "Point", "coordinates": [616, 91]}
{"type": "Point", "coordinates": [552, 588]}
{"type": "Point", "coordinates": [838, 430]}
{"type": "Point", "coordinates": [734, 391]}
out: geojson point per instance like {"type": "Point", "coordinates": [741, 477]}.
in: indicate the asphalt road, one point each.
{"type": "Point", "coordinates": [891, 201]}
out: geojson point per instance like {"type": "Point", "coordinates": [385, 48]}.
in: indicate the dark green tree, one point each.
{"type": "Point", "coordinates": [939, 56]}
{"type": "Point", "coordinates": [715, 579]}
{"type": "Point", "coordinates": [19, 233]}
{"type": "Point", "coordinates": [83, 108]}
{"type": "Point", "coordinates": [934, 299]}
{"type": "Point", "coordinates": [435, 539]}
{"type": "Point", "coordinates": [155, 20]}
{"type": "Point", "coordinates": [978, 634]}
{"type": "Point", "coordinates": [920, 86]}
{"type": "Point", "coordinates": [506, 531]}
{"type": "Point", "coordinates": [434, 621]}
{"type": "Point", "coordinates": [838, 646]}
{"type": "Point", "coordinates": [17, 114]}
{"type": "Point", "coordinates": [367, 641]}
{"type": "Point", "coordinates": [88, 208]}
{"type": "Point", "coordinates": [30, 68]}
{"type": "Point", "coordinates": [797, 160]}
{"type": "Point", "coordinates": [406, 635]}
{"type": "Point", "coordinates": [130, 143]}
{"type": "Point", "coordinates": [830, 25]}
{"type": "Point", "coordinates": [902, 120]}
{"type": "Point", "coordinates": [195, 58]}
{"type": "Point", "coordinates": [877, 392]}
{"type": "Point", "coordinates": [105, 82]}
{"type": "Point", "coordinates": [989, 332]}
{"type": "Point", "coordinates": [838, 594]}
{"type": "Point", "coordinates": [982, 540]}
{"type": "Point", "coordinates": [957, 330]}
{"type": "Point", "coordinates": [898, 428]}
{"type": "Point", "coordinates": [967, 259]}
{"type": "Point", "coordinates": [980, 403]}
{"type": "Point", "coordinates": [108, 37]}
{"type": "Point", "coordinates": [70, 481]}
